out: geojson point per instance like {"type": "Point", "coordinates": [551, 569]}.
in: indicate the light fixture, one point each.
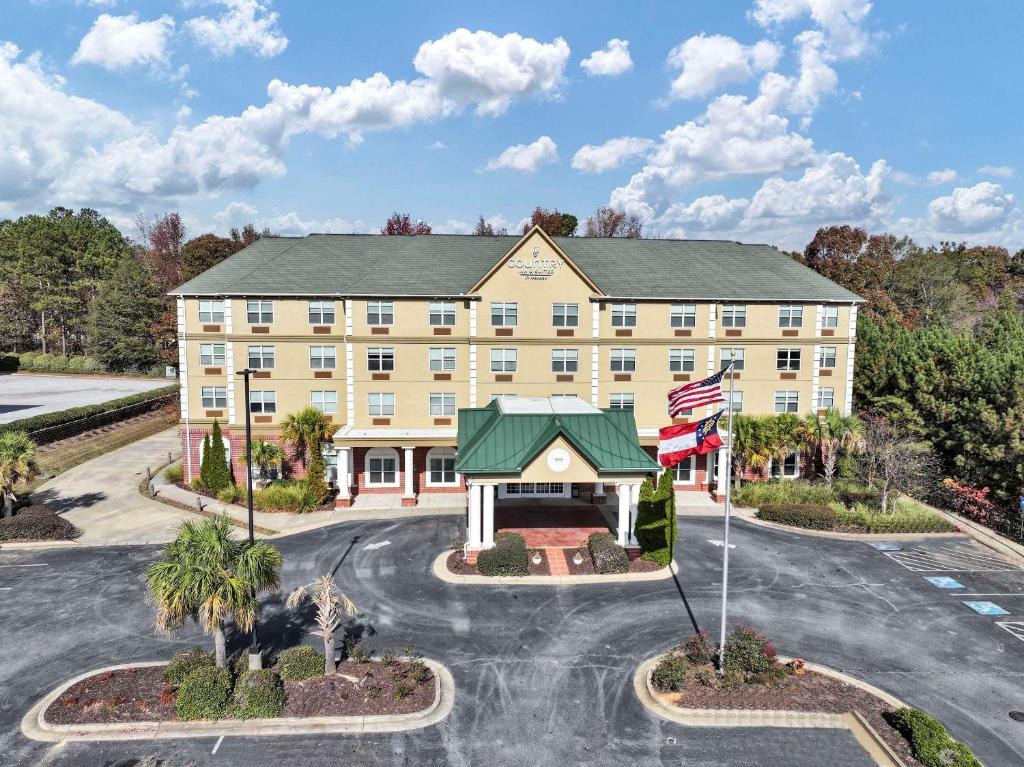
{"type": "Point", "coordinates": [578, 559]}
{"type": "Point", "coordinates": [536, 558]}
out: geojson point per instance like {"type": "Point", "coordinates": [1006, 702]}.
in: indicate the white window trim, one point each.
{"type": "Point", "coordinates": [325, 391]}
{"type": "Point", "coordinates": [783, 475]}
{"type": "Point", "coordinates": [565, 315]}
{"type": "Point", "coordinates": [627, 312]}
{"type": "Point", "coordinates": [443, 359]}
{"type": "Point", "coordinates": [227, 450]}
{"type": "Point", "coordinates": [441, 452]}
{"type": "Point", "coordinates": [380, 311]}
{"type": "Point", "coordinates": [683, 360]}
{"type": "Point", "coordinates": [382, 452]}
{"type": "Point", "coordinates": [692, 460]}
{"type": "Point", "coordinates": [334, 312]}
{"type": "Point", "coordinates": [443, 395]}
{"type": "Point", "coordinates": [394, 404]}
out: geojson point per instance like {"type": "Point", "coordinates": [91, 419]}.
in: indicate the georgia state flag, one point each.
{"type": "Point", "coordinates": [680, 441]}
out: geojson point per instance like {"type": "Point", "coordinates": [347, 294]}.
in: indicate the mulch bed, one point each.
{"type": "Point", "coordinates": [797, 692]}
{"type": "Point", "coordinates": [457, 566]}
{"type": "Point", "coordinates": [142, 695]}
{"type": "Point", "coordinates": [327, 505]}
{"type": "Point", "coordinates": [587, 566]}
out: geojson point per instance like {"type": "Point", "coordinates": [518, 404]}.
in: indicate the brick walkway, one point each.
{"type": "Point", "coordinates": [556, 561]}
{"type": "Point", "coordinates": [551, 526]}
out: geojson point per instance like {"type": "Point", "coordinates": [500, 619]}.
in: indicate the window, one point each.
{"type": "Point", "coordinates": [623, 315]}
{"type": "Point", "coordinates": [442, 360]}
{"type": "Point", "coordinates": [787, 402]}
{"type": "Point", "coordinates": [621, 401]}
{"type": "Point", "coordinates": [828, 357]}
{"type": "Point", "coordinates": [322, 358]}
{"type": "Point", "coordinates": [623, 360]}
{"type": "Point", "coordinates": [503, 360]}
{"type": "Point", "coordinates": [211, 354]}
{"type": "Point", "coordinates": [380, 312]}
{"type": "Point", "coordinates": [787, 359]}
{"type": "Point", "coordinates": [535, 488]}
{"type": "Point", "coordinates": [442, 404]}
{"type": "Point", "coordinates": [215, 396]}
{"type": "Point", "coordinates": [211, 310]}
{"type": "Point", "coordinates": [441, 313]}
{"type": "Point", "coordinates": [321, 312]}
{"type": "Point", "coordinates": [261, 357]}
{"type": "Point", "coordinates": [682, 472]}
{"type": "Point", "coordinates": [324, 401]}
{"type": "Point", "coordinates": [382, 467]}
{"type": "Point", "coordinates": [734, 316]}
{"type": "Point", "coordinates": [683, 315]}
{"type": "Point", "coordinates": [565, 315]}
{"type": "Point", "coordinates": [826, 397]}
{"type": "Point", "coordinates": [556, 395]}
{"type": "Point", "coordinates": [565, 360]}
{"type": "Point", "coordinates": [259, 311]}
{"type": "Point", "coordinates": [262, 402]}
{"type": "Point", "coordinates": [382, 403]}
{"type": "Point", "coordinates": [830, 317]}
{"type": "Point", "coordinates": [791, 316]}
{"type": "Point", "coordinates": [441, 467]}
{"type": "Point", "coordinates": [738, 358]}
{"type": "Point", "coordinates": [331, 467]}
{"type": "Point", "coordinates": [788, 468]}
{"type": "Point", "coordinates": [380, 359]}
{"type": "Point", "coordinates": [737, 400]}
{"type": "Point", "coordinates": [504, 315]}
{"type": "Point", "coordinates": [680, 360]}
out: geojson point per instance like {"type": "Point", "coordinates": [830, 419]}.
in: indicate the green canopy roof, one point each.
{"type": "Point", "coordinates": [492, 441]}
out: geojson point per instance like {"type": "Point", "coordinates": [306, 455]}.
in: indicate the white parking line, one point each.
{"type": "Point", "coordinates": [217, 745]}
{"type": "Point", "coordinates": [44, 564]}
{"type": "Point", "coordinates": [1016, 628]}
{"type": "Point", "coordinates": [949, 559]}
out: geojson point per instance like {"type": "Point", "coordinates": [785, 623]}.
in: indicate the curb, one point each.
{"type": "Point", "coordinates": [985, 536]}
{"type": "Point", "coordinates": [39, 545]}
{"type": "Point", "coordinates": [35, 726]}
{"type": "Point", "coordinates": [748, 514]}
{"type": "Point", "coordinates": [866, 736]}
{"type": "Point", "coordinates": [440, 570]}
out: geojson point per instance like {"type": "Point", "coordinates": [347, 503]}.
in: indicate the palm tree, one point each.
{"type": "Point", "coordinates": [832, 433]}
{"type": "Point", "coordinates": [17, 463]}
{"type": "Point", "coordinates": [306, 429]}
{"type": "Point", "coordinates": [208, 576]}
{"type": "Point", "coordinates": [750, 448]}
{"type": "Point", "coordinates": [331, 605]}
{"type": "Point", "coordinates": [265, 455]}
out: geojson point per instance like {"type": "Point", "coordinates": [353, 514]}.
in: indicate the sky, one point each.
{"type": "Point", "coordinates": [756, 121]}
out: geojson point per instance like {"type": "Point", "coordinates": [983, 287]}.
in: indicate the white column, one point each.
{"type": "Point", "coordinates": [634, 503]}
{"type": "Point", "coordinates": [488, 532]}
{"type": "Point", "coordinates": [344, 483]}
{"type": "Point", "coordinates": [473, 531]}
{"type": "Point", "coordinates": [623, 493]}
{"type": "Point", "coordinates": [599, 488]}
{"type": "Point", "coordinates": [407, 471]}
{"type": "Point", "coordinates": [721, 466]}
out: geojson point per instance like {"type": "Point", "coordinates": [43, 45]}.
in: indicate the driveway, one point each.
{"type": "Point", "coordinates": [544, 675]}
{"type": "Point", "coordinates": [24, 395]}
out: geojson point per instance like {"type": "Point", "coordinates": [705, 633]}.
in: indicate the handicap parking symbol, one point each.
{"type": "Point", "coordinates": [986, 608]}
{"type": "Point", "coordinates": [943, 582]}
{"type": "Point", "coordinates": [886, 546]}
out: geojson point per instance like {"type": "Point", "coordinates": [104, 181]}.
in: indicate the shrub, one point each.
{"type": "Point", "coordinates": [656, 520]}
{"type": "Point", "coordinates": [27, 359]}
{"type": "Point", "coordinates": [698, 649]}
{"type": "Point", "coordinates": [357, 652]}
{"type": "Point", "coordinates": [51, 363]}
{"type": "Point", "coordinates": [315, 482]}
{"type": "Point", "coordinates": [507, 557]}
{"type": "Point", "coordinates": [707, 676]}
{"type": "Point", "coordinates": [670, 673]}
{"type": "Point", "coordinates": [608, 556]}
{"type": "Point", "coordinates": [971, 502]}
{"type": "Point", "coordinates": [174, 474]}
{"type": "Point", "coordinates": [929, 741]}
{"type": "Point", "coordinates": [748, 653]}
{"type": "Point", "coordinates": [796, 491]}
{"type": "Point", "coordinates": [204, 694]}
{"type": "Point", "coordinates": [185, 662]}
{"type": "Point", "coordinates": [77, 364]}
{"type": "Point", "coordinates": [214, 470]}
{"type": "Point", "coordinates": [298, 663]}
{"type": "Point", "coordinates": [259, 694]}
{"type": "Point", "coordinates": [851, 494]}
{"type": "Point", "coordinates": [907, 516]}
{"type": "Point", "coordinates": [809, 515]}
{"type": "Point", "coordinates": [230, 494]}
{"type": "Point", "coordinates": [37, 523]}
{"type": "Point", "coordinates": [286, 495]}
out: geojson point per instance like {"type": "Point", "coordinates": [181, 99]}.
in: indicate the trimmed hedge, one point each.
{"type": "Point", "coordinates": [749, 655]}
{"type": "Point", "coordinates": [37, 362]}
{"type": "Point", "coordinates": [259, 693]}
{"type": "Point", "coordinates": [298, 663]}
{"type": "Point", "coordinates": [929, 741]}
{"type": "Point", "coordinates": [656, 520]}
{"type": "Point", "coordinates": [37, 523]}
{"type": "Point", "coordinates": [808, 515]}
{"type": "Point", "coordinates": [906, 518]}
{"type": "Point", "coordinates": [185, 662]}
{"type": "Point", "coordinates": [608, 555]}
{"type": "Point", "coordinates": [204, 694]}
{"type": "Point", "coordinates": [507, 557]}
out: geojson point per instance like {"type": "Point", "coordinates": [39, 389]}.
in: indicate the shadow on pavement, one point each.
{"type": "Point", "coordinates": [60, 504]}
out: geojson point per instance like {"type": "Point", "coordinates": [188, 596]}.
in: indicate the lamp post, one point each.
{"type": "Point", "coordinates": [255, 656]}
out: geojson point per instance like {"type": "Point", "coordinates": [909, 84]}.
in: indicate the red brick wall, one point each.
{"type": "Point", "coordinates": [236, 438]}
{"type": "Point", "coordinates": [419, 480]}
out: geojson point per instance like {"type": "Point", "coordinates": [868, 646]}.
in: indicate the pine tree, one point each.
{"type": "Point", "coordinates": [315, 476]}
{"type": "Point", "coordinates": [204, 463]}
{"type": "Point", "coordinates": [121, 326]}
{"type": "Point", "coordinates": [215, 472]}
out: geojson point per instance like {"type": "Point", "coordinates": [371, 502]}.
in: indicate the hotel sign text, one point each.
{"type": "Point", "coordinates": [535, 268]}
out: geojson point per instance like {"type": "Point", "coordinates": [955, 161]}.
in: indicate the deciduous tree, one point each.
{"type": "Point", "coordinates": [555, 223]}
{"type": "Point", "coordinates": [609, 222]}
{"type": "Point", "coordinates": [402, 224]}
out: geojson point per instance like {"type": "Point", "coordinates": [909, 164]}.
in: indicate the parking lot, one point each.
{"type": "Point", "coordinates": [23, 395]}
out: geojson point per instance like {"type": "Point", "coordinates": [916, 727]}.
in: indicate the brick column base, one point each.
{"type": "Point", "coordinates": [407, 502]}
{"type": "Point", "coordinates": [342, 503]}
{"type": "Point", "coordinates": [598, 498]}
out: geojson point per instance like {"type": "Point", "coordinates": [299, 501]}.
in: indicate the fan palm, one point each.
{"type": "Point", "coordinates": [832, 433]}
{"type": "Point", "coordinates": [750, 447]}
{"type": "Point", "coordinates": [265, 455]}
{"type": "Point", "coordinates": [17, 463]}
{"type": "Point", "coordinates": [211, 577]}
{"type": "Point", "coordinates": [331, 605]}
{"type": "Point", "coordinates": [305, 429]}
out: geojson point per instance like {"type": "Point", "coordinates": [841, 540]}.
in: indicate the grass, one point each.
{"type": "Point", "coordinates": [788, 491]}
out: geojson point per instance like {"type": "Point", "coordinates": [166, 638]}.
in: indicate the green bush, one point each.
{"type": "Point", "coordinates": [204, 694]}
{"type": "Point", "coordinates": [851, 494]}
{"type": "Point", "coordinates": [507, 557]}
{"type": "Point", "coordinates": [37, 523]}
{"type": "Point", "coordinates": [286, 495]}
{"type": "Point", "coordinates": [51, 363]}
{"type": "Point", "coordinates": [748, 654]}
{"type": "Point", "coordinates": [656, 520]}
{"type": "Point", "coordinates": [790, 491]}
{"type": "Point", "coordinates": [809, 515]}
{"type": "Point", "coordinates": [185, 662]}
{"type": "Point", "coordinates": [214, 469]}
{"type": "Point", "coordinates": [231, 494]}
{"type": "Point", "coordinates": [608, 555]}
{"type": "Point", "coordinates": [259, 694]}
{"type": "Point", "coordinates": [698, 649]}
{"type": "Point", "coordinates": [9, 363]}
{"type": "Point", "coordinates": [907, 516]}
{"type": "Point", "coordinates": [298, 663]}
{"type": "Point", "coordinates": [27, 359]}
{"type": "Point", "coordinates": [929, 741]}
{"type": "Point", "coordinates": [174, 474]}
{"type": "Point", "coordinates": [670, 673]}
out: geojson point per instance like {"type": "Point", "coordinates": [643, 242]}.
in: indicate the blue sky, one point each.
{"type": "Point", "coordinates": [757, 121]}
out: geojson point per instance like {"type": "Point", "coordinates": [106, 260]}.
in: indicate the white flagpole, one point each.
{"type": "Point", "coordinates": [728, 510]}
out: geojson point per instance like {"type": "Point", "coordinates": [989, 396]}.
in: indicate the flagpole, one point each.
{"type": "Point", "coordinates": [728, 510]}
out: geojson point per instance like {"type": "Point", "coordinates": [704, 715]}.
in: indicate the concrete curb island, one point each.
{"type": "Point", "coordinates": [440, 570]}
{"type": "Point", "coordinates": [749, 514]}
{"type": "Point", "coordinates": [35, 726]}
{"type": "Point", "coordinates": [866, 736]}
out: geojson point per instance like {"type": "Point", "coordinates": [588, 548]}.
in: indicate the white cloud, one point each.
{"type": "Point", "coordinates": [841, 20]}
{"type": "Point", "coordinates": [944, 176]}
{"type": "Point", "coordinates": [438, 145]}
{"type": "Point", "coordinates": [119, 42]}
{"type": "Point", "coordinates": [612, 60]}
{"type": "Point", "coordinates": [709, 62]}
{"type": "Point", "coordinates": [816, 77]}
{"type": "Point", "coordinates": [611, 154]}
{"type": "Point", "coordinates": [997, 171]}
{"type": "Point", "coordinates": [238, 214]}
{"type": "Point", "coordinates": [244, 24]}
{"type": "Point", "coordinates": [526, 158]}
{"type": "Point", "coordinates": [710, 213]}
{"type": "Point", "coordinates": [976, 208]}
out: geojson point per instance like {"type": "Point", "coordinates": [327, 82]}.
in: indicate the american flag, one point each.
{"type": "Point", "coordinates": [697, 393]}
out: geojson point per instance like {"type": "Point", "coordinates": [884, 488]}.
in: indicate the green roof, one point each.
{"type": "Point", "coordinates": [493, 442]}
{"type": "Point", "coordinates": [450, 265]}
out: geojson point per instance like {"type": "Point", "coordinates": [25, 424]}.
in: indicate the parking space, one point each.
{"type": "Point", "coordinates": [954, 557]}
{"type": "Point", "coordinates": [23, 396]}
